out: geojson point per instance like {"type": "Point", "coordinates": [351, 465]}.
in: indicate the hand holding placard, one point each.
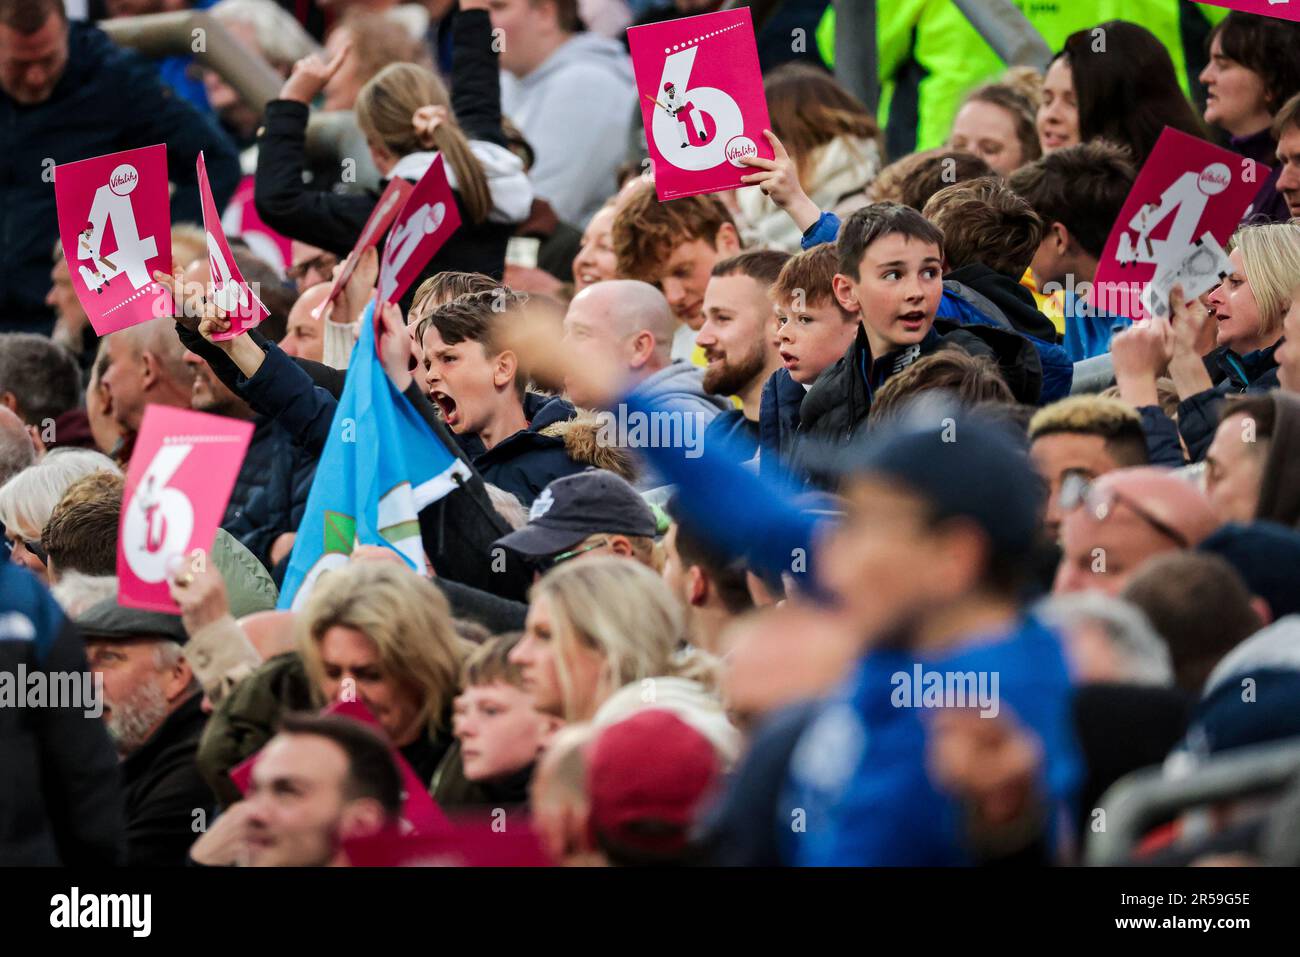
{"type": "Point", "coordinates": [177, 485]}
{"type": "Point", "coordinates": [702, 100]}
{"type": "Point", "coordinates": [1188, 189]}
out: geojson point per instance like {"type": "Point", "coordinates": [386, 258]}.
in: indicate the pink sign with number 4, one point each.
{"type": "Point", "coordinates": [428, 218]}
{"type": "Point", "coordinates": [181, 474]}
{"type": "Point", "coordinates": [116, 228]}
{"type": "Point", "coordinates": [1187, 187]}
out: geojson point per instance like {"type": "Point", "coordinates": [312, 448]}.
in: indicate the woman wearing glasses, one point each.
{"type": "Point", "coordinates": [1229, 348]}
{"type": "Point", "coordinates": [604, 637]}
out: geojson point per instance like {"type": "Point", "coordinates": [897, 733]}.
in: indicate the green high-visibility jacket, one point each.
{"type": "Point", "coordinates": [930, 55]}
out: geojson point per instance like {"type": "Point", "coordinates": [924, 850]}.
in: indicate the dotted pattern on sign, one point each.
{"type": "Point", "coordinates": [153, 286]}
{"type": "Point", "coordinates": [706, 36]}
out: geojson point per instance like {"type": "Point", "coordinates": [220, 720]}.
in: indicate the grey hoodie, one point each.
{"type": "Point", "coordinates": [680, 386]}
{"type": "Point", "coordinates": [575, 110]}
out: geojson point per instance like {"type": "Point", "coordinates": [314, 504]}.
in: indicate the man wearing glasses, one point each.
{"type": "Point", "coordinates": [1112, 525]}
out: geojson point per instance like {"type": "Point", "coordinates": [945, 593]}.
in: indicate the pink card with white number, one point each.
{"type": "Point", "coordinates": [428, 218]}
{"type": "Point", "coordinates": [1186, 188]}
{"type": "Point", "coordinates": [115, 225]}
{"type": "Point", "coordinates": [182, 471]}
{"type": "Point", "coordinates": [1281, 9]}
{"type": "Point", "coordinates": [700, 90]}
{"type": "Point", "coordinates": [235, 297]}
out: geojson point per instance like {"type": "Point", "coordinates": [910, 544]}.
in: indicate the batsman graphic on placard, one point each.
{"type": "Point", "coordinates": [113, 204]}
{"type": "Point", "coordinates": [677, 109]}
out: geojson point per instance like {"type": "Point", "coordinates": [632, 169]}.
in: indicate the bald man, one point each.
{"type": "Point", "coordinates": [1114, 524]}
{"type": "Point", "coordinates": [304, 336]}
{"type": "Point", "coordinates": [629, 324]}
{"type": "Point", "coordinates": [142, 365]}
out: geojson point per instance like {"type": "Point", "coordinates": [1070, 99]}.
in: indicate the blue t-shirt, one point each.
{"type": "Point", "coordinates": [1087, 330]}
{"type": "Point", "coordinates": [859, 773]}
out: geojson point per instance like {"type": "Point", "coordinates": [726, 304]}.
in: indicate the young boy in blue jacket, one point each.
{"type": "Point", "coordinates": [928, 562]}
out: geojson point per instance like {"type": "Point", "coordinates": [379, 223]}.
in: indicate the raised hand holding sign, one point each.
{"type": "Point", "coordinates": [177, 485]}
{"type": "Point", "coordinates": [1190, 194]}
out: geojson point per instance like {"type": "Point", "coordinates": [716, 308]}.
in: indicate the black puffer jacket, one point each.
{"type": "Point", "coordinates": [839, 401]}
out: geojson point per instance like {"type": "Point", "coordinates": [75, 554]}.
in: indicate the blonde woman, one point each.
{"type": "Point", "coordinates": [378, 633]}
{"type": "Point", "coordinates": [996, 122]}
{"type": "Point", "coordinates": [408, 119]}
{"type": "Point", "coordinates": [1237, 336]}
{"type": "Point", "coordinates": [604, 638]}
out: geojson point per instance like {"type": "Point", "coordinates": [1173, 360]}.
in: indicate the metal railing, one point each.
{"type": "Point", "coordinates": [1144, 798]}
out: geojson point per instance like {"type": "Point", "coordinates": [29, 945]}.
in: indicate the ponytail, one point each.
{"type": "Point", "coordinates": [405, 108]}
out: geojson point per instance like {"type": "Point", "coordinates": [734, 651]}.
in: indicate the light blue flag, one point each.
{"type": "Point", "coordinates": [381, 465]}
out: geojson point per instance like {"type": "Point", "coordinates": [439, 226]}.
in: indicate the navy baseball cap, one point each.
{"type": "Point", "coordinates": [577, 506]}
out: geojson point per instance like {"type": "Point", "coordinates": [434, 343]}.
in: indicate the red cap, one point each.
{"type": "Point", "coordinates": [651, 766]}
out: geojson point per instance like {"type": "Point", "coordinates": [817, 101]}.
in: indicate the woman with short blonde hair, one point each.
{"type": "Point", "coordinates": [1270, 255]}
{"type": "Point", "coordinates": [379, 633]}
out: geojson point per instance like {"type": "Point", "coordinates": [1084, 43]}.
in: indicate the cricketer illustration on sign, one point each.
{"type": "Point", "coordinates": [702, 100]}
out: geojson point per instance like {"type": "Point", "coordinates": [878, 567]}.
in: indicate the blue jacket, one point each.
{"type": "Point", "coordinates": [778, 419]}
{"type": "Point", "coordinates": [107, 100]}
{"type": "Point", "coordinates": [860, 770]}
{"type": "Point", "coordinates": [60, 788]}
{"type": "Point", "coordinates": [732, 426]}
{"type": "Point", "coordinates": [1088, 331]}
{"type": "Point", "coordinates": [978, 296]}
{"type": "Point", "coordinates": [966, 305]}
{"type": "Point", "coordinates": [525, 463]}
{"type": "Point", "coordinates": [275, 505]}
{"type": "Point", "coordinates": [1198, 415]}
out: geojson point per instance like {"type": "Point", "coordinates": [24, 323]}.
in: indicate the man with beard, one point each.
{"type": "Point", "coordinates": [739, 341]}
{"type": "Point", "coordinates": [152, 709]}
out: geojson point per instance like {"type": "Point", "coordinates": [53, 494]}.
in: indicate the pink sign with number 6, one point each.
{"type": "Point", "coordinates": [1281, 9]}
{"type": "Point", "coordinates": [701, 99]}
{"type": "Point", "coordinates": [182, 471]}
{"type": "Point", "coordinates": [115, 227]}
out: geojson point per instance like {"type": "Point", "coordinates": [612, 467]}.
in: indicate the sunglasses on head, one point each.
{"type": "Point", "coordinates": [1079, 491]}
{"type": "Point", "coordinates": [546, 564]}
